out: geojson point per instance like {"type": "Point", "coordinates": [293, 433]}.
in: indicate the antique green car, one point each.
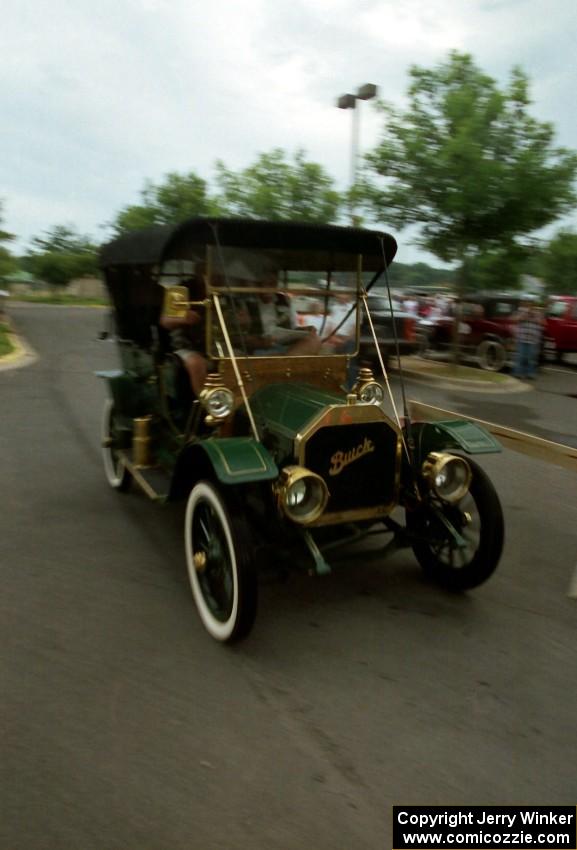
{"type": "Point", "coordinates": [286, 448]}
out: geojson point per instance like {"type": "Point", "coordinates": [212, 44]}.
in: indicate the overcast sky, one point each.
{"type": "Point", "coordinates": [97, 97]}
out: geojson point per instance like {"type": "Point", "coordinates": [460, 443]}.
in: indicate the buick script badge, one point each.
{"type": "Point", "coordinates": [341, 459]}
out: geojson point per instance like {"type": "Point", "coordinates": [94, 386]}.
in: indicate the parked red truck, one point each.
{"type": "Point", "coordinates": [560, 336]}
{"type": "Point", "coordinates": [487, 329]}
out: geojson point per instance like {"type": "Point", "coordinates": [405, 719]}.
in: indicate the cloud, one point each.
{"type": "Point", "coordinates": [97, 98]}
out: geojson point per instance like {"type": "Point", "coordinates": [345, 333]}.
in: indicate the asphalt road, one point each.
{"type": "Point", "coordinates": [546, 407]}
{"type": "Point", "coordinates": [125, 726]}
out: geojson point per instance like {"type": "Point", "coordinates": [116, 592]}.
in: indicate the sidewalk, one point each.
{"type": "Point", "coordinates": [457, 377]}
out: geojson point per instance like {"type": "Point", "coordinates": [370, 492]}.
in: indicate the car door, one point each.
{"type": "Point", "coordinates": [558, 324]}
{"type": "Point", "coordinates": [569, 328]}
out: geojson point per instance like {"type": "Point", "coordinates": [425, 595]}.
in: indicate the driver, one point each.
{"type": "Point", "coordinates": [187, 335]}
{"type": "Point", "coordinates": [268, 325]}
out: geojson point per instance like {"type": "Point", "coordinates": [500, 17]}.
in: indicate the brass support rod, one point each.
{"type": "Point", "coordinates": [237, 373]}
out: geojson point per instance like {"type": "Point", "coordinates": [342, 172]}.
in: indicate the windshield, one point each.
{"type": "Point", "coordinates": [380, 304]}
{"type": "Point", "coordinates": [269, 310]}
{"type": "Point", "coordinates": [556, 309]}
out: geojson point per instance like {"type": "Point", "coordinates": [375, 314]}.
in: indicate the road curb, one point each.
{"type": "Point", "coordinates": [427, 376]}
{"type": "Point", "coordinates": [22, 353]}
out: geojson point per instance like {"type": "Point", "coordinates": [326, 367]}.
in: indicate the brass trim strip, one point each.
{"type": "Point", "coordinates": [284, 290]}
{"type": "Point", "coordinates": [275, 358]}
{"type": "Point", "coordinates": [354, 515]}
{"type": "Point", "coordinates": [231, 472]}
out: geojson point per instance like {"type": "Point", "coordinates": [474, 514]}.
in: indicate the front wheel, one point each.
{"type": "Point", "coordinates": [492, 355]}
{"type": "Point", "coordinates": [220, 567]}
{"type": "Point", "coordinates": [478, 518]}
{"type": "Point", "coordinates": [423, 344]}
{"type": "Point", "coordinates": [551, 353]}
{"type": "Point", "coordinates": [116, 473]}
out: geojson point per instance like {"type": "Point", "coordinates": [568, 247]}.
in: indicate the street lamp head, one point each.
{"type": "Point", "coordinates": [349, 101]}
{"type": "Point", "coordinates": [346, 101]}
{"type": "Point", "coordinates": [367, 92]}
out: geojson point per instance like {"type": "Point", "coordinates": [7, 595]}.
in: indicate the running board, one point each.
{"type": "Point", "coordinates": [150, 479]}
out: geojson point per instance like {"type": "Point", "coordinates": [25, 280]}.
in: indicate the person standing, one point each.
{"type": "Point", "coordinates": [411, 305]}
{"type": "Point", "coordinates": [529, 324]}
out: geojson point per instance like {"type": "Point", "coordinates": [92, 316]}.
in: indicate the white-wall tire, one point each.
{"type": "Point", "coordinates": [492, 355]}
{"type": "Point", "coordinates": [116, 473]}
{"type": "Point", "coordinates": [224, 587]}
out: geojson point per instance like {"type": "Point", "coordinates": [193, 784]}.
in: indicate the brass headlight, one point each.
{"type": "Point", "coordinates": [219, 402]}
{"type": "Point", "coordinates": [448, 475]}
{"type": "Point", "coordinates": [371, 393]}
{"type": "Point", "coordinates": [216, 399]}
{"type": "Point", "coordinates": [302, 495]}
{"type": "Point", "coordinates": [368, 391]}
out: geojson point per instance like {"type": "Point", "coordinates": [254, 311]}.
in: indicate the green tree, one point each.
{"type": "Point", "coordinates": [8, 263]}
{"type": "Point", "coordinates": [134, 217]}
{"type": "Point", "coordinates": [61, 255]}
{"type": "Point", "coordinates": [406, 276]}
{"type": "Point", "coordinates": [277, 189]}
{"type": "Point", "coordinates": [271, 187]}
{"type": "Point", "coordinates": [558, 263]}
{"type": "Point", "coordinates": [468, 164]}
{"type": "Point", "coordinates": [178, 197]}
{"type": "Point", "coordinates": [498, 269]}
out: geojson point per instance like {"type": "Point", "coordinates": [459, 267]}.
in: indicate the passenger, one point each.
{"type": "Point", "coordinates": [269, 327]}
{"type": "Point", "coordinates": [343, 323]}
{"type": "Point", "coordinates": [411, 305]}
{"type": "Point", "coordinates": [187, 337]}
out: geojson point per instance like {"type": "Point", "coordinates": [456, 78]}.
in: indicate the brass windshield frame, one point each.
{"type": "Point", "coordinates": [219, 290]}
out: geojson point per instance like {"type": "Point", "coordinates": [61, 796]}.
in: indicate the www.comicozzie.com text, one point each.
{"type": "Point", "coordinates": [505, 821]}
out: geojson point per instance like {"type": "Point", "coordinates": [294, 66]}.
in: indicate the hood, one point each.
{"type": "Point", "coordinates": [285, 409]}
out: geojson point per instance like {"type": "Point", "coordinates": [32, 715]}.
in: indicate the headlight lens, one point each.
{"type": "Point", "coordinates": [302, 495]}
{"type": "Point", "coordinates": [219, 402]}
{"type": "Point", "coordinates": [371, 393]}
{"type": "Point", "coordinates": [449, 476]}
{"type": "Point", "coordinates": [296, 494]}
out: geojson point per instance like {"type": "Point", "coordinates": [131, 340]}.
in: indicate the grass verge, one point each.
{"type": "Point", "coordinates": [71, 300]}
{"type": "Point", "coordinates": [6, 346]}
{"type": "Point", "coordinates": [466, 373]}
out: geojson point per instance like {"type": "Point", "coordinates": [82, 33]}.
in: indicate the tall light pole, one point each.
{"type": "Point", "coordinates": [349, 101]}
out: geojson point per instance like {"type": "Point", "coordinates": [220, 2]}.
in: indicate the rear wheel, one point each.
{"type": "Point", "coordinates": [220, 564]}
{"type": "Point", "coordinates": [492, 355]}
{"type": "Point", "coordinates": [116, 473]}
{"type": "Point", "coordinates": [478, 518]}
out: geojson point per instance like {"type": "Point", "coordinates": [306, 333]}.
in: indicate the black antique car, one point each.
{"type": "Point", "coordinates": [276, 455]}
{"type": "Point", "coordinates": [396, 330]}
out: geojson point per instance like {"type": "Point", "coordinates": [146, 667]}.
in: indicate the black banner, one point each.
{"type": "Point", "coordinates": [484, 827]}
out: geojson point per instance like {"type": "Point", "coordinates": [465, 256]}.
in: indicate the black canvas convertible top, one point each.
{"type": "Point", "coordinates": [154, 245]}
{"type": "Point", "coordinates": [132, 263]}
{"type": "Point", "coordinates": [139, 248]}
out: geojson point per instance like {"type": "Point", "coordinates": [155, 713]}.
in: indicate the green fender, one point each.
{"type": "Point", "coordinates": [233, 460]}
{"type": "Point", "coordinates": [452, 434]}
